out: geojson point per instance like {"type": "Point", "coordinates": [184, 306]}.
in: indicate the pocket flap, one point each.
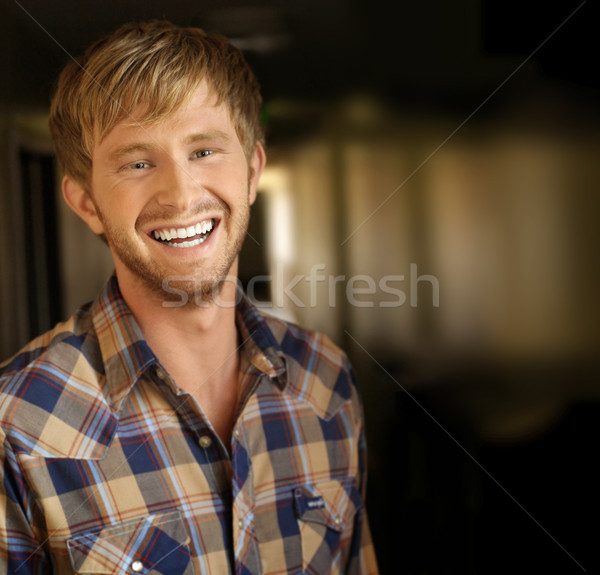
{"type": "Point", "coordinates": [157, 542]}
{"type": "Point", "coordinates": [331, 503]}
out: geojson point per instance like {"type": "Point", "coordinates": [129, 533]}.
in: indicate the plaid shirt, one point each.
{"type": "Point", "coordinates": [107, 467]}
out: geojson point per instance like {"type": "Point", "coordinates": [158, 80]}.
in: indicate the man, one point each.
{"type": "Point", "coordinates": [168, 427]}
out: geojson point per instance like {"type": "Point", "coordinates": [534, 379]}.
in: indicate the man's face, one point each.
{"type": "Point", "coordinates": [173, 198]}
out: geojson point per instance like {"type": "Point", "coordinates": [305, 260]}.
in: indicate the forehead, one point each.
{"type": "Point", "coordinates": [200, 108]}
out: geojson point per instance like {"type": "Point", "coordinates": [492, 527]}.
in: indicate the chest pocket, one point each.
{"type": "Point", "coordinates": [325, 513]}
{"type": "Point", "coordinates": [152, 545]}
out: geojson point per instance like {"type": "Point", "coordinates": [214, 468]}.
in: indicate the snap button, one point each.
{"type": "Point", "coordinates": [205, 441]}
{"type": "Point", "coordinates": [137, 566]}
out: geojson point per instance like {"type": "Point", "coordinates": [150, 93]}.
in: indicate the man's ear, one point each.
{"type": "Point", "coordinates": [82, 204]}
{"type": "Point", "coordinates": [257, 163]}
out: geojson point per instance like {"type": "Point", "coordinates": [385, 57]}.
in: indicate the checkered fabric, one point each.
{"type": "Point", "coordinates": [108, 467]}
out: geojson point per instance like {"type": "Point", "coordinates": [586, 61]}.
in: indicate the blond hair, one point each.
{"type": "Point", "coordinates": [159, 65]}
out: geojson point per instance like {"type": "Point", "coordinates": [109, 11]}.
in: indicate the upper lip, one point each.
{"type": "Point", "coordinates": [184, 231]}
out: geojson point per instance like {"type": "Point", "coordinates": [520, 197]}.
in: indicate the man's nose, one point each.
{"type": "Point", "coordinates": [178, 187]}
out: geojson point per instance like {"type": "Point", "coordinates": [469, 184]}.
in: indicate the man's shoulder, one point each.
{"type": "Point", "coordinates": [304, 345]}
{"type": "Point", "coordinates": [49, 347]}
{"type": "Point", "coordinates": [50, 388]}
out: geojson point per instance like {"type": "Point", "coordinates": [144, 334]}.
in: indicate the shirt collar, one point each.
{"type": "Point", "coordinates": [258, 342]}
{"type": "Point", "coordinates": [126, 354]}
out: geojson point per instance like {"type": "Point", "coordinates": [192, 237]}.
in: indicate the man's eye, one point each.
{"type": "Point", "coordinates": [139, 166]}
{"type": "Point", "coordinates": [203, 153]}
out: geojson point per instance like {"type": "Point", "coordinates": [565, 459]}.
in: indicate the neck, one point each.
{"type": "Point", "coordinates": [196, 343]}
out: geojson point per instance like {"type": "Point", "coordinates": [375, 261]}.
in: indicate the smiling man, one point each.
{"type": "Point", "coordinates": [148, 435]}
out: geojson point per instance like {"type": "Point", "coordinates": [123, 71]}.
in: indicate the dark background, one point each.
{"type": "Point", "coordinates": [414, 54]}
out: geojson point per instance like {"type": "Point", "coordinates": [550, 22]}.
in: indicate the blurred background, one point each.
{"type": "Point", "coordinates": [430, 202]}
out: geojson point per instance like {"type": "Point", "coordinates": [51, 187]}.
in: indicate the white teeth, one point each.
{"type": "Point", "coordinates": [167, 235]}
{"type": "Point", "coordinates": [189, 244]}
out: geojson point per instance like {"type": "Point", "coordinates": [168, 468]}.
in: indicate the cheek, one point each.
{"type": "Point", "coordinates": [119, 217]}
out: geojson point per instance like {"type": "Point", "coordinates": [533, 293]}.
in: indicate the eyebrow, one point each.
{"type": "Point", "coordinates": [132, 149]}
{"type": "Point", "coordinates": [209, 135]}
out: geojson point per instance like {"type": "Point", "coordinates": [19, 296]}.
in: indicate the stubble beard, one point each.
{"type": "Point", "coordinates": [201, 286]}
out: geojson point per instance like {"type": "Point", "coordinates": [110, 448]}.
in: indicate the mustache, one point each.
{"type": "Point", "coordinates": [198, 211]}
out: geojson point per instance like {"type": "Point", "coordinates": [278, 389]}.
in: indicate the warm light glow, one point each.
{"type": "Point", "coordinates": [280, 229]}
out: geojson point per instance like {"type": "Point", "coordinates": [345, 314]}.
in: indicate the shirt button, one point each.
{"type": "Point", "coordinates": [240, 524]}
{"type": "Point", "coordinates": [338, 521]}
{"type": "Point", "coordinates": [205, 441]}
{"type": "Point", "coordinates": [236, 433]}
{"type": "Point", "coordinates": [137, 566]}
{"type": "Point", "coordinates": [160, 373]}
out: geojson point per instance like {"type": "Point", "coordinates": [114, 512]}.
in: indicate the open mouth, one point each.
{"type": "Point", "coordinates": [185, 237]}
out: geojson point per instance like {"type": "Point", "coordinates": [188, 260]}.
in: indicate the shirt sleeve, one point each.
{"type": "Point", "coordinates": [20, 551]}
{"type": "Point", "coordinates": [362, 557]}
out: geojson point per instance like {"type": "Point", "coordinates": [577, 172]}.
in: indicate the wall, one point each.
{"type": "Point", "coordinates": [85, 261]}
